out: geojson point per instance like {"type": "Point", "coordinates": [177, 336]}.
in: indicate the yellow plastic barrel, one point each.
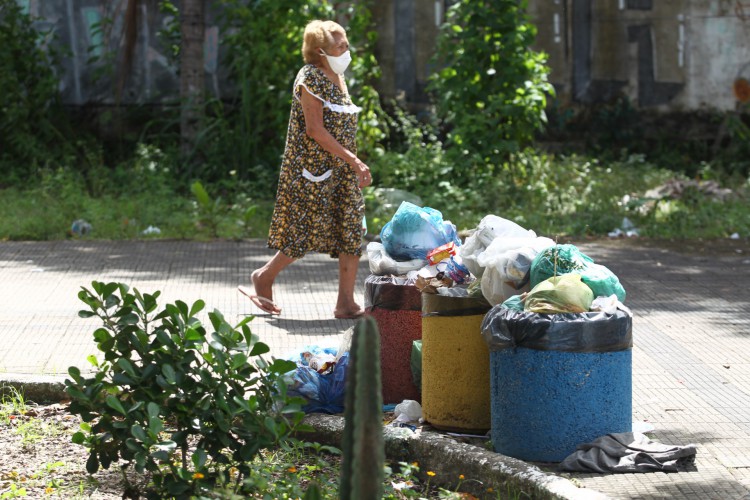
{"type": "Point", "coordinates": [455, 363]}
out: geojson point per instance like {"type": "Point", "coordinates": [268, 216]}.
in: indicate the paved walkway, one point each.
{"type": "Point", "coordinates": [691, 358]}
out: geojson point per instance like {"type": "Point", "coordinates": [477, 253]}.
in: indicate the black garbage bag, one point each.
{"type": "Point", "coordinates": [504, 328]}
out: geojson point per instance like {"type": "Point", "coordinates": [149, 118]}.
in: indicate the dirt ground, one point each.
{"type": "Point", "coordinates": [39, 459]}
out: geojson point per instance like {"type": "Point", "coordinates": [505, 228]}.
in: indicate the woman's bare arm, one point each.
{"type": "Point", "coordinates": [312, 108]}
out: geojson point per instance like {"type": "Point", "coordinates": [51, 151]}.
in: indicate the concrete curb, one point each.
{"type": "Point", "coordinates": [436, 452]}
{"type": "Point", "coordinates": [36, 388]}
{"type": "Point", "coordinates": [448, 458]}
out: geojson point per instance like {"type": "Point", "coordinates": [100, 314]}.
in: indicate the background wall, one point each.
{"type": "Point", "coordinates": [153, 77]}
{"type": "Point", "coordinates": [669, 55]}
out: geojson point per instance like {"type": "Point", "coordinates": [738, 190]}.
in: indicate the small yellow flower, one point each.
{"type": "Point", "coordinates": [490, 490]}
{"type": "Point", "coordinates": [48, 490]}
{"type": "Point", "coordinates": [415, 464]}
{"type": "Point", "coordinates": [292, 469]}
{"type": "Point", "coordinates": [461, 477]}
{"type": "Point", "coordinates": [198, 475]}
{"type": "Point", "coordinates": [430, 473]}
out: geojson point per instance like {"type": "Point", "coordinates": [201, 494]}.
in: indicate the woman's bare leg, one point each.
{"type": "Point", "coordinates": [346, 307]}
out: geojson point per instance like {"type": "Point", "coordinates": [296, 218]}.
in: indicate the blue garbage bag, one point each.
{"type": "Point", "coordinates": [414, 231]}
{"type": "Point", "coordinates": [324, 393]}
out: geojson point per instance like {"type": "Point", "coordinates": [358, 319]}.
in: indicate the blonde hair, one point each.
{"type": "Point", "coordinates": [318, 35]}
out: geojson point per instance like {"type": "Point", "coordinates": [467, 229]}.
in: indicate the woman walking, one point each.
{"type": "Point", "coordinates": [319, 204]}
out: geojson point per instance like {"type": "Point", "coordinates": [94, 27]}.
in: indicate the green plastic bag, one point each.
{"type": "Point", "coordinates": [416, 364]}
{"type": "Point", "coordinates": [514, 303]}
{"type": "Point", "coordinates": [565, 259]}
{"type": "Point", "coordinates": [560, 294]}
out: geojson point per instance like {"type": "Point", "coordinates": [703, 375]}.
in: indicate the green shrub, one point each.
{"type": "Point", "coordinates": [188, 405]}
{"type": "Point", "coordinates": [490, 87]}
{"type": "Point", "coordinates": [29, 136]}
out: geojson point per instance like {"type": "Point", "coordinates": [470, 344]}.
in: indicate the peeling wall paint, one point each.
{"type": "Point", "coordinates": [676, 55]}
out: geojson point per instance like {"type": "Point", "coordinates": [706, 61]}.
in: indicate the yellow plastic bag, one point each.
{"type": "Point", "coordinates": [560, 294]}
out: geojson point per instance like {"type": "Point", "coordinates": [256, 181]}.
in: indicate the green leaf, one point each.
{"type": "Point", "coordinates": [133, 445]}
{"type": "Point", "coordinates": [199, 458]}
{"type": "Point", "coordinates": [74, 393]}
{"type": "Point", "coordinates": [115, 404]}
{"type": "Point", "coordinates": [92, 464]}
{"type": "Point", "coordinates": [160, 455]}
{"type": "Point", "coordinates": [198, 306]}
{"type": "Point", "coordinates": [217, 342]}
{"type": "Point", "coordinates": [78, 438]}
{"type": "Point", "coordinates": [123, 380]}
{"type": "Point", "coordinates": [127, 367]}
{"type": "Point", "coordinates": [200, 193]}
{"type": "Point", "coordinates": [139, 433]}
{"type": "Point", "coordinates": [193, 335]}
{"type": "Point", "coordinates": [155, 425]}
{"type": "Point", "coordinates": [182, 307]}
{"type": "Point", "coordinates": [163, 338]}
{"type": "Point", "coordinates": [282, 366]}
{"type": "Point", "coordinates": [259, 348]}
{"type": "Point", "coordinates": [152, 409]}
{"type": "Point", "coordinates": [238, 360]}
{"type": "Point", "coordinates": [167, 445]}
{"type": "Point", "coordinates": [169, 374]}
{"type": "Point", "coordinates": [109, 289]}
{"type": "Point", "coordinates": [86, 314]}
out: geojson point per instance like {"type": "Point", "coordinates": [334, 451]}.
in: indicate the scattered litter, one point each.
{"type": "Point", "coordinates": [627, 229]}
{"type": "Point", "coordinates": [735, 236]}
{"type": "Point", "coordinates": [470, 436]}
{"type": "Point", "coordinates": [408, 411]}
{"type": "Point", "coordinates": [676, 189]}
{"type": "Point", "coordinates": [151, 230]}
{"type": "Point", "coordinates": [643, 427]}
{"type": "Point", "coordinates": [80, 228]}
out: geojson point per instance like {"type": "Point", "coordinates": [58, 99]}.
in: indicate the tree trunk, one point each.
{"type": "Point", "coordinates": [192, 73]}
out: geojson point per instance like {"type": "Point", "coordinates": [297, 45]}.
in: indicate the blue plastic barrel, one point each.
{"type": "Point", "coordinates": [545, 403]}
{"type": "Point", "coordinates": [557, 381]}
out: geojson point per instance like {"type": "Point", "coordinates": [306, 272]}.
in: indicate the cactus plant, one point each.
{"type": "Point", "coordinates": [363, 448]}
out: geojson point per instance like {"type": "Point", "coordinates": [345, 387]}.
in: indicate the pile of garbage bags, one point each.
{"type": "Point", "coordinates": [500, 260]}
{"type": "Point", "coordinates": [526, 275]}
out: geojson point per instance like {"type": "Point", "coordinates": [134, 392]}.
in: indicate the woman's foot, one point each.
{"type": "Point", "coordinates": [263, 296]}
{"type": "Point", "coordinates": [348, 311]}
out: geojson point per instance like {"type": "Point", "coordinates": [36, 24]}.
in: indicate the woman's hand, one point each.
{"type": "Point", "coordinates": [363, 172]}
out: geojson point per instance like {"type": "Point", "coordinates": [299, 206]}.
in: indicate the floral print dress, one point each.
{"type": "Point", "coordinates": [319, 206]}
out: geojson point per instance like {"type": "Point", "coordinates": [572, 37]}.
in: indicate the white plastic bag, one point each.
{"type": "Point", "coordinates": [382, 264]}
{"type": "Point", "coordinates": [506, 272]}
{"type": "Point", "coordinates": [408, 411]}
{"type": "Point", "coordinates": [489, 228]}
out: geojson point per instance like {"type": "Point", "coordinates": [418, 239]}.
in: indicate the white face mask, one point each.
{"type": "Point", "coordinates": [338, 63]}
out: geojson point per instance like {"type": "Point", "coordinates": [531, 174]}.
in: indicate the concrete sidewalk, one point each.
{"type": "Point", "coordinates": [691, 358]}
